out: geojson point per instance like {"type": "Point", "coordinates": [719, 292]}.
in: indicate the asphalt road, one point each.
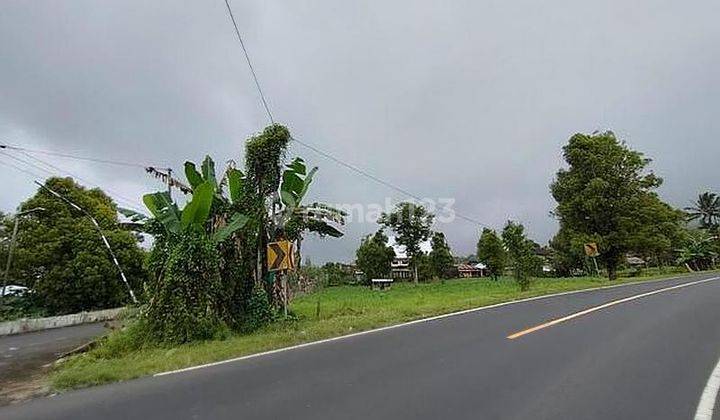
{"type": "Point", "coordinates": [23, 356]}
{"type": "Point", "coordinates": [644, 359]}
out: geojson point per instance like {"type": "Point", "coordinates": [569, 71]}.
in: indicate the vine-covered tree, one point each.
{"type": "Point", "coordinates": [440, 257]}
{"type": "Point", "coordinates": [491, 252]}
{"type": "Point", "coordinates": [60, 255]}
{"type": "Point", "coordinates": [411, 223]}
{"type": "Point", "coordinates": [374, 257]}
{"type": "Point", "coordinates": [209, 258]}
{"type": "Point", "coordinates": [602, 194]}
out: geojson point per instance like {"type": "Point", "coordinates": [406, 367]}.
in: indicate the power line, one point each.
{"type": "Point", "coordinates": [131, 203]}
{"type": "Point", "coordinates": [315, 149]}
{"type": "Point", "coordinates": [376, 179]}
{"type": "Point", "coordinates": [247, 58]}
{"type": "Point", "coordinates": [128, 201]}
{"type": "Point", "coordinates": [76, 157]}
{"type": "Point", "coordinates": [20, 169]}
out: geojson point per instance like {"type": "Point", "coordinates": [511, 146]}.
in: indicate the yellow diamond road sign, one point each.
{"type": "Point", "coordinates": [591, 249]}
{"type": "Point", "coordinates": [279, 256]}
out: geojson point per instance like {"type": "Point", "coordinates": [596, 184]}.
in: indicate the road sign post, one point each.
{"type": "Point", "coordinates": [592, 251]}
{"type": "Point", "coordinates": [280, 260]}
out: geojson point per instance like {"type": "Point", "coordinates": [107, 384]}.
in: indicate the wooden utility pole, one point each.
{"type": "Point", "coordinates": [169, 183]}
{"type": "Point", "coordinates": [12, 246]}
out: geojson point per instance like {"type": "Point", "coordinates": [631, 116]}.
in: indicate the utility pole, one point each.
{"type": "Point", "coordinates": [102, 235]}
{"type": "Point", "coordinates": [169, 183]}
{"type": "Point", "coordinates": [12, 246]}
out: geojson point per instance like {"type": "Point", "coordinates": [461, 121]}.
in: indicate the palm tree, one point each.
{"type": "Point", "coordinates": [707, 209]}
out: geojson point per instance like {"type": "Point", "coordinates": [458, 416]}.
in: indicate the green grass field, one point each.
{"type": "Point", "coordinates": [327, 313]}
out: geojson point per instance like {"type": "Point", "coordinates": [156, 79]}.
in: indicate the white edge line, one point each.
{"type": "Point", "coordinates": [405, 324]}
{"type": "Point", "coordinates": [707, 399]}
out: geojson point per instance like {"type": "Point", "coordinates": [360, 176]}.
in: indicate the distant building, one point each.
{"type": "Point", "coordinates": [472, 270]}
{"type": "Point", "coordinates": [400, 267]}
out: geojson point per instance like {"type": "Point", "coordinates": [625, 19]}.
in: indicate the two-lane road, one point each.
{"type": "Point", "coordinates": [646, 358]}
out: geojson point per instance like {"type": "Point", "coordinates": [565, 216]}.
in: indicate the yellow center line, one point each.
{"type": "Point", "coordinates": [603, 306]}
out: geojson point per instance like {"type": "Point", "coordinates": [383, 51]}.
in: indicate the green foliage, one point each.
{"type": "Point", "coordinates": [294, 218]}
{"type": "Point", "coordinates": [259, 311]}
{"type": "Point", "coordinates": [520, 251]}
{"type": "Point", "coordinates": [491, 252]}
{"type": "Point", "coordinates": [568, 254]}
{"type": "Point", "coordinates": [61, 256]}
{"type": "Point", "coordinates": [187, 303]}
{"type": "Point", "coordinates": [411, 223]}
{"type": "Point", "coordinates": [264, 154]}
{"type": "Point", "coordinates": [603, 192]}
{"type": "Point", "coordinates": [440, 258]}
{"type": "Point", "coordinates": [25, 306]}
{"type": "Point", "coordinates": [206, 193]}
{"type": "Point", "coordinates": [699, 250]}
{"type": "Point", "coordinates": [707, 210]}
{"type": "Point", "coordinates": [336, 274]}
{"type": "Point", "coordinates": [374, 256]}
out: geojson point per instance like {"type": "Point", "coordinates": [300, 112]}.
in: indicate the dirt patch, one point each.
{"type": "Point", "coordinates": [26, 359]}
{"type": "Point", "coordinates": [20, 389]}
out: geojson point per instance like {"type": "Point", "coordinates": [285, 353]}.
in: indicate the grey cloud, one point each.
{"type": "Point", "coordinates": [470, 100]}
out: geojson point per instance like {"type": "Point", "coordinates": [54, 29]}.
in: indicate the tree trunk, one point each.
{"type": "Point", "coordinates": [612, 270]}
{"type": "Point", "coordinates": [415, 273]}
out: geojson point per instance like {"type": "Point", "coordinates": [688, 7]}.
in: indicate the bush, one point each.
{"type": "Point", "coordinates": [187, 299]}
{"type": "Point", "coordinates": [16, 307]}
{"type": "Point", "coordinates": [259, 311]}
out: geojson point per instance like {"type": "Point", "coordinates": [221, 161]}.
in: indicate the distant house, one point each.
{"type": "Point", "coordinates": [400, 267]}
{"type": "Point", "coordinates": [472, 270]}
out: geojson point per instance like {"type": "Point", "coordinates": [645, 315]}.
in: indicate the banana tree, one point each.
{"type": "Point", "coordinates": [205, 192]}
{"type": "Point", "coordinates": [293, 218]}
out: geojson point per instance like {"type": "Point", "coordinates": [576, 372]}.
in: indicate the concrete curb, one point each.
{"type": "Point", "coordinates": [25, 325]}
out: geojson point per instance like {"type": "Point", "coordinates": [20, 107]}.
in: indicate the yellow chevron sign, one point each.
{"type": "Point", "coordinates": [279, 256]}
{"type": "Point", "coordinates": [591, 249]}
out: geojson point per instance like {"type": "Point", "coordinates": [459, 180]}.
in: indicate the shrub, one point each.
{"type": "Point", "coordinates": [187, 299]}
{"type": "Point", "coordinates": [259, 311]}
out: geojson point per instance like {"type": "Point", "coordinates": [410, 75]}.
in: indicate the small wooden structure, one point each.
{"type": "Point", "coordinates": [381, 284]}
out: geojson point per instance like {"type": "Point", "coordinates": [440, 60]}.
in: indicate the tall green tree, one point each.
{"type": "Point", "coordinates": [411, 223]}
{"type": "Point", "coordinates": [374, 257]}
{"type": "Point", "coordinates": [707, 210]}
{"type": "Point", "coordinates": [440, 257]}
{"type": "Point", "coordinates": [491, 252]}
{"type": "Point", "coordinates": [520, 252]}
{"type": "Point", "coordinates": [61, 256]}
{"type": "Point", "coordinates": [602, 192]}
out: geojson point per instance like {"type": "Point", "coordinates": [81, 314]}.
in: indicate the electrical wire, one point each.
{"type": "Point", "coordinates": [85, 158]}
{"type": "Point", "coordinates": [130, 203]}
{"type": "Point", "coordinates": [316, 149]}
{"type": "Point", "coordinates": [133, 204]}
{"type": "Point", "coordinates": [247, 58]}
{"type": "Point", "coordinates": [35, 176]}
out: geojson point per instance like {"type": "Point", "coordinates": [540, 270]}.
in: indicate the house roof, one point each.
{"type": "Point", "coordinates": [400, 249]}
{"type": "Point", "coordinates": [470, 267]}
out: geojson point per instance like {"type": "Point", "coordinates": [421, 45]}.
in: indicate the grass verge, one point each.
{"type": "Point", "coordinates": [327, 313]}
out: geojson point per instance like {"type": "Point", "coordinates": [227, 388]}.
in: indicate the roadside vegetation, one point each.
{"type": "Point", "coordinates": [330, 312]}
{"type": "Point", "coordinates": [205, 291]}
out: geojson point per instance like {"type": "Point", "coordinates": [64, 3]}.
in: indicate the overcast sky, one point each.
{"type": "Point", "coordinates": [470, 100]}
